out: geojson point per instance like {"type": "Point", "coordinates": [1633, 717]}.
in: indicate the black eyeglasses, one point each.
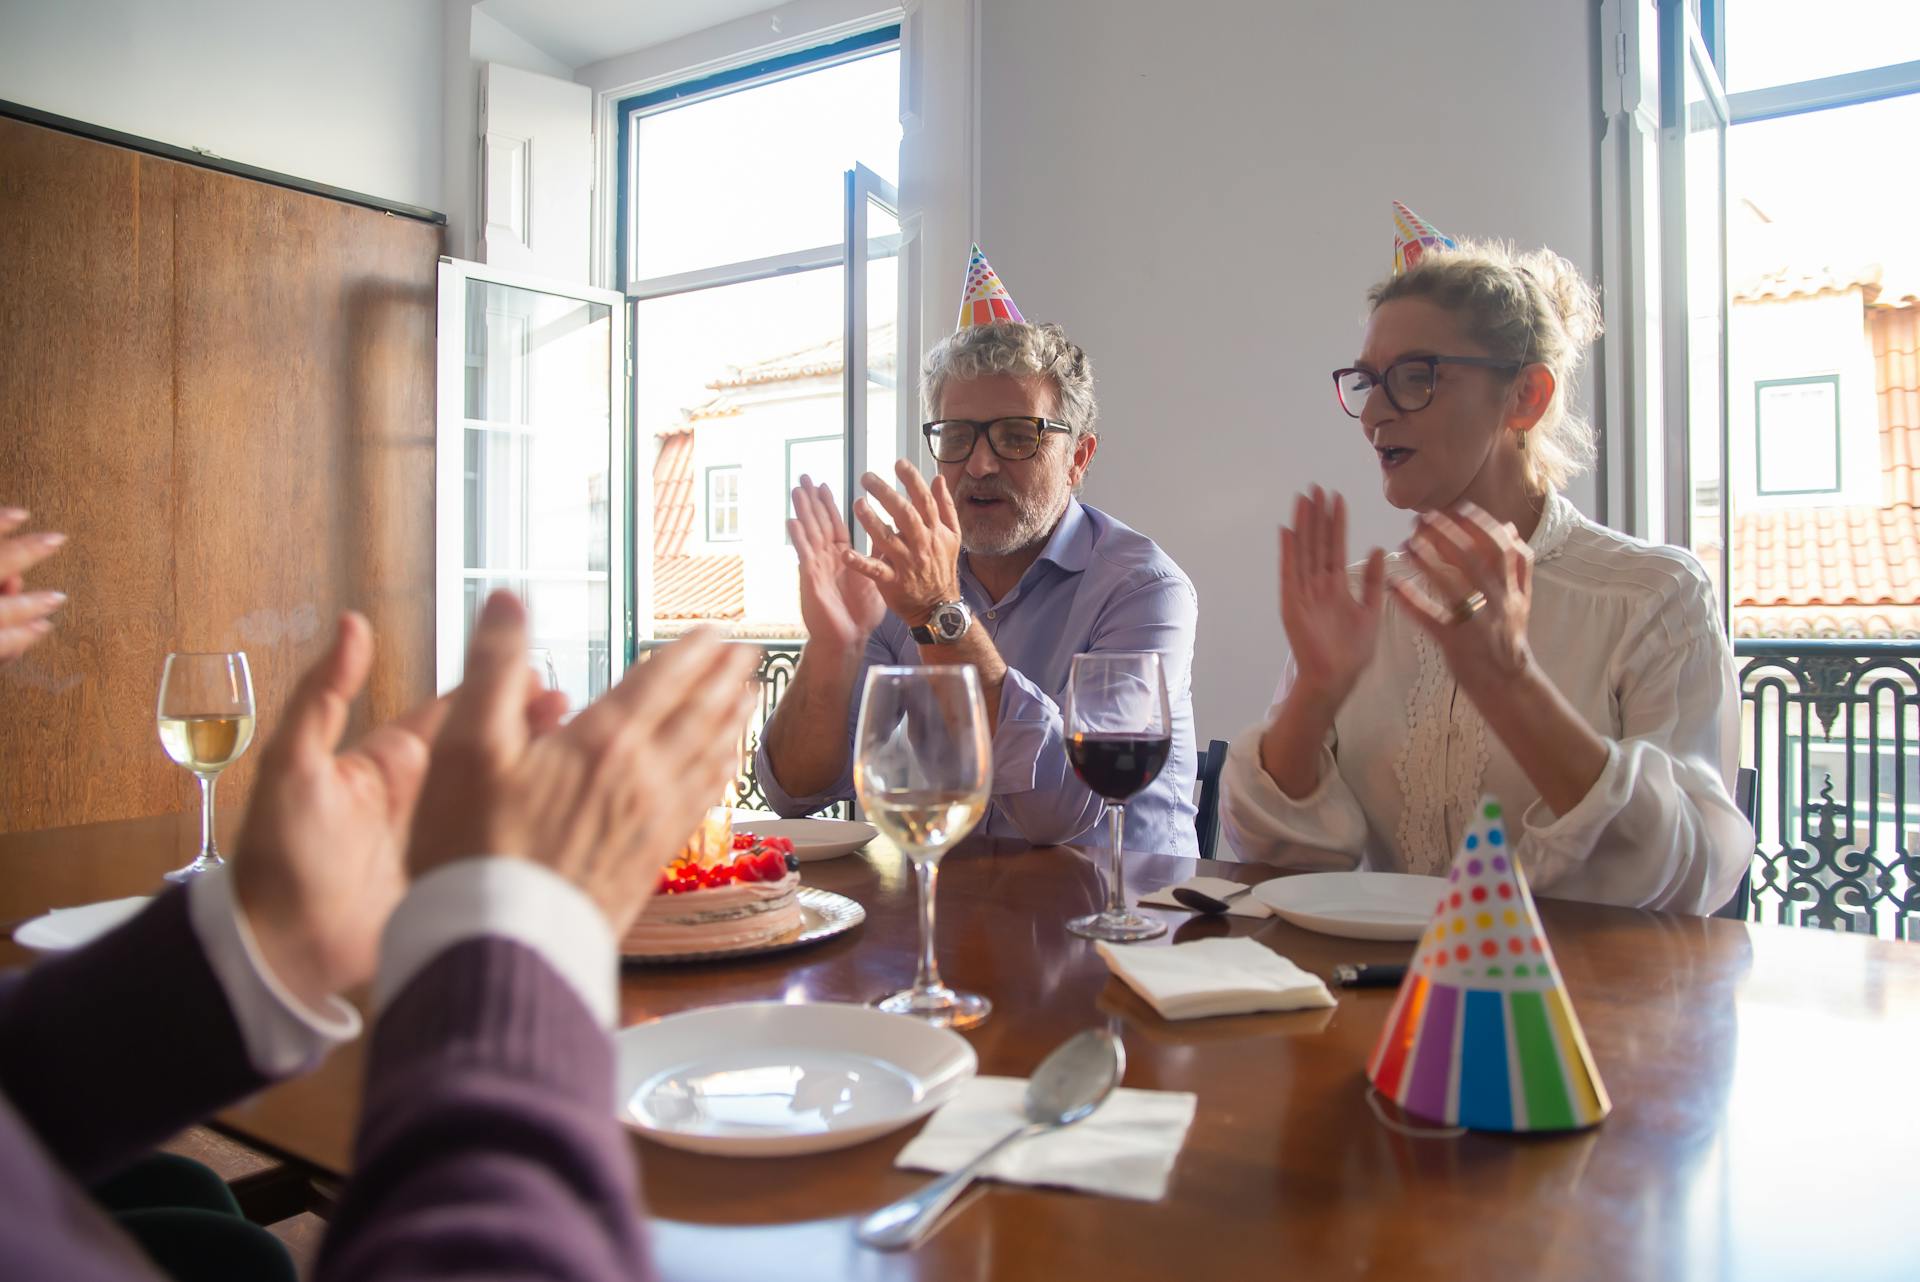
{"type": "Point", "coordinates": [1408, 383]}
{"type": "Point", "coordinates": [1013, 439]}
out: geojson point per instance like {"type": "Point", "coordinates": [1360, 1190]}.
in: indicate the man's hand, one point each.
{"type": "Point", "coordinates": [916, 564]}
{"type": "Point", "coordinates": [605, 800]}
{"type": "Point", "coordinates": [838, 604]}
{"type": "Point", "coordinates": [318, 868]}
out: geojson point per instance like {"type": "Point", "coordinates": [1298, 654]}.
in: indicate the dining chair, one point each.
{"type": "Point", "coordinates": [1206, 818]}
{"type": "Point", "coordinates": [1744, 796]}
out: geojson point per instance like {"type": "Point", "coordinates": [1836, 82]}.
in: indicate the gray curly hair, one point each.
{"type": "Point", "coordinates": [1527, 307]}
{"type": "Point", "coordinates": [1022, 350]}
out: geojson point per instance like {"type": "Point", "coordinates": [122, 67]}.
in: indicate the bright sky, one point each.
{"type": "Point", "coordinates": [1841, 186]}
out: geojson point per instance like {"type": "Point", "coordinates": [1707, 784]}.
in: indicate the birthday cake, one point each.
{"type": "Point", "coordinates": [724, 891]}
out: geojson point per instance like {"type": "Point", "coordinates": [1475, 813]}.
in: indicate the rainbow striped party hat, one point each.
{"type": "Point", "coordinates": [1412, 237]}
{"type": "Point", "coordinates": [985, 300]}
{"type": "Point", "coordinates": [1481, 1034]}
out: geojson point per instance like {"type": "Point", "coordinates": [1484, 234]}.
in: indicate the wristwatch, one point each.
{"type": "Point", "coordinates": [949, 623]}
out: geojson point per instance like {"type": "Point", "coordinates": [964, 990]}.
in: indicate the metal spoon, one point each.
{"type": "Point", "coordinates": [1201, 901]}
{"type": "Point", "coordinates": [1067, 1087]}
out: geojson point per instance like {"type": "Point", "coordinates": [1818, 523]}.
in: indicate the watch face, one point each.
{"type": "Point", "coordinates": [950, 621]}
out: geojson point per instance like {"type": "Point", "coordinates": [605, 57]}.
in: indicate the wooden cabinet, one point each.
{"type": "Point", "coordinates": [222, 391]}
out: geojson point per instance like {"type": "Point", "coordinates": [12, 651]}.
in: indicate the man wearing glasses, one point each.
{"type": "Point", "coordinates": [996, 564]}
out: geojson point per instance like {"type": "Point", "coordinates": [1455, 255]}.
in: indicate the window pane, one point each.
{"type": "Point", "coordinates": [1779, 42]}
{"type": "Point", "coordinates": [729, 378]}
{"type": "Point", "coordinates": [1799, 445]}
{"type": "Point", "coordinates": [537, 463]}
{"type": "Point", "coordinates": [758, 172]}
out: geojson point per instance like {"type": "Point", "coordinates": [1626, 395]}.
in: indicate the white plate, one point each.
{"type": "Point", "coordinates": [66, 928]}
{"type": "Point", "coordinates": [823, 915]}
{"type": "Point", "coordinates": [812, 838]}
{"type": "Point", "coordinates": [766, 1079]}
{"type": "Point", "coordinates": [1357, 905]}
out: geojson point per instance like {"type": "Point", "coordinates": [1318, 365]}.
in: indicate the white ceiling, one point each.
{"type": "Point", "coordinates": [578, 32]}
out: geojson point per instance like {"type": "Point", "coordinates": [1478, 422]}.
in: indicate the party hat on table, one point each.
{"type": "Point", "coordinates": [1412, 237]}
{"type": "Point", "coordinates": [985, 300]}
{"type": "Point", "coordinates": [1482, 1034]}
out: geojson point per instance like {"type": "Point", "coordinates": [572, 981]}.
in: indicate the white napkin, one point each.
{"type": "Point", "coordinates": [1215, 977]}
{"type": "Point", "coordinates": [1219, 887]}
{"type": "Point", "coordinates": [69, 928]}
{"type": "Point", "coordinates": [1126, 1149]}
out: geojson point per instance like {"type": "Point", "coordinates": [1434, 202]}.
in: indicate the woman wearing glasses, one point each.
{"type": "Point", "coordinates": [1578, 675]}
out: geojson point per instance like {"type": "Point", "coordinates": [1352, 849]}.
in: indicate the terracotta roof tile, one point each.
{"type": "Point", "coordinates": [700, 587]}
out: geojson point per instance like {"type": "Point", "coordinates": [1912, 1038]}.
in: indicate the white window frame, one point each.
{"type": "Point", "coordinates": [719, 471]}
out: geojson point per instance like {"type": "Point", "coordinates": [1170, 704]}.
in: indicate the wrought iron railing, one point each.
{"type": "Point", "coordinates": [1833, 728]}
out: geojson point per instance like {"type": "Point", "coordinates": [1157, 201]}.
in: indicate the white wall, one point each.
{"type": "Point", "coordinates": [1199, 193]}
{"type": "Point", "coordinates": [346, 93]}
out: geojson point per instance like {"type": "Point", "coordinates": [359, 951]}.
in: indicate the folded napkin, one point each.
{"type": "Point", "coordinates": [1219, 888]}
{"type": "Point", "coordinates": [1215, 977]}
{"type": "Point", "coordinates": [1126, 1149]}
{"type": "Point", "coordinates": [68, 928]}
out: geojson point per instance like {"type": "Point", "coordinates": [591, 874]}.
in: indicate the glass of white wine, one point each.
{"type": "Point", "coordinates": [922, 765]}
{"type": "Point", "coordinates": [206, 722]}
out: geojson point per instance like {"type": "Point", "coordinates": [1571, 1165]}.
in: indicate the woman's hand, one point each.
{"type": "Point", "coordinates": [1475, 596]}
{"type": "Point", "coordinates": [1330, 630]}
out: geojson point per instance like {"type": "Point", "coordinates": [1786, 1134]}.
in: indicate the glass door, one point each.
{"type": "Point", "coordinates": [531, 470]}
{"type": "Point", "coordinates": [882, 394]}
{"type": "Point", "coordinates": [1694, 178]}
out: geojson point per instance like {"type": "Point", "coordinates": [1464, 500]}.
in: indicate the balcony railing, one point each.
{"type": "Point", "coordinates": [1833, 728]}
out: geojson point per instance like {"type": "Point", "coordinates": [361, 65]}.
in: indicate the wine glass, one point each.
{"type": "Point", "coordinates": [541, 661]}
{"type": "Point", "coordinates": [206, 721]}
{"type": "Point", "coordinates": [1119, 733]}
{"type": "Point", "coordinates": [922, 766]}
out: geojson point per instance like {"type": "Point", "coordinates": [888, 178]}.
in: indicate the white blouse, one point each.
{"type": "Point", "coordinates": [1628, 633]}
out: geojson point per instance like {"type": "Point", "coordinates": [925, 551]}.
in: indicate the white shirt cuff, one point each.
{"type": "Point", "coordinates": [514, 899]}
{"type": "Point", "coordinates": [282, 1034]}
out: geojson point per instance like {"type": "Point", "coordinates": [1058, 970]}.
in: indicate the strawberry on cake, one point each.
{"type": "Point", "coordinates": [726, 890]}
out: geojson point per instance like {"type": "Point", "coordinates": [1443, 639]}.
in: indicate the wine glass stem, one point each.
{"type": "Point", "coordinates": [1116, 883]}
{"type": "Point", "coordinates": [928, 877]}
{"type": "Point", "coordinates": [207, 849]}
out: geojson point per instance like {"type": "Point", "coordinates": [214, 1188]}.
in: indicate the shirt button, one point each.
{"type": "Point", "coordinates": [993, 614]}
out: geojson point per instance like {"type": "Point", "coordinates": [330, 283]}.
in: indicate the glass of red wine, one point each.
{"type": "Point", "coordinates": [1119, 733]}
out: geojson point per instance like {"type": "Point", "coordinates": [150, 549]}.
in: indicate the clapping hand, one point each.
{"type": "Point", "coordinates": [1475, 595]}
{"type": "Point", "coordinates": [604, 800]}
{"type": "Point", "coordinates": [916, 563]}
{"type": "Point", "coordinates": [23, 614]}
{"type": "Point", "coordinates": [838, 604]}
{"type": "Point", "coordinates": [1331, 630]}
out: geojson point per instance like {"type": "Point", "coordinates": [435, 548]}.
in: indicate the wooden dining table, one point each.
{"type": "Point", "coordinates": [1761, 1079]}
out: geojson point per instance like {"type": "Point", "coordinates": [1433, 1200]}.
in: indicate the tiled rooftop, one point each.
{"type": "Point", "coordinates": [1846, 571]}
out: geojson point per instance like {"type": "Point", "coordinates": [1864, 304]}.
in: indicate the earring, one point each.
{"type": "Point", "coordinates": [1525, 433]}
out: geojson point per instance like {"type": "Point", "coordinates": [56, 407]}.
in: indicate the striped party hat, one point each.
{"type": "Point", "coordinates": [1481, 1034]}
{"type": "Point", "coordinates": [1412, 237]}
{"type": "Point", "coordinates": [985, 300]}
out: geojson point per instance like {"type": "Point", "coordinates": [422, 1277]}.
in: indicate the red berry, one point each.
{"type": "Point", "coordinates": [746, 869]}
{"type": "Point", "coordinates": [743, 841]}
{"type": "Point", "coordinates": [772, 867]}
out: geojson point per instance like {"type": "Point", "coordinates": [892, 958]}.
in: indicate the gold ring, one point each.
{"type": "Point", "coordinates": [1468, 606]}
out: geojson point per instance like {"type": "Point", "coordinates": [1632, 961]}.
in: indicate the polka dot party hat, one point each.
{"type": "Point", "coordinates": [1412, 237]}
{"type": "Point", "coordinates": [985, 300]}
{"type": "Point", "coordinates": [1481, 1034]}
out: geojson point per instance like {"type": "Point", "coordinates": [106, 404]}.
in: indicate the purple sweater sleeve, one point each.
{"type": "Point", "coordinates": [107, 1050]}
{"type": "Point", "coordinates": [488, 1146]}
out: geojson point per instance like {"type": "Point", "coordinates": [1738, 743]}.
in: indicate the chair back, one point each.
{"type": "Point", "coordinates": [1206, 817]}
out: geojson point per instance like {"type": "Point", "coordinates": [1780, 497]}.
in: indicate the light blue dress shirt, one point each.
{"type": "Point", "coordinates": [1097, 585]}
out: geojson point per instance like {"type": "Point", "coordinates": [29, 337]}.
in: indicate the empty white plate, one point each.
{"type": "Point", "coordinates": [768, 1079]}
{"type": "Point", "coordinates": [66, 928]}
{"type": "Point", "coordinates": [812, 838]}
{"type": "Point", "coordinates": [1356, 905]}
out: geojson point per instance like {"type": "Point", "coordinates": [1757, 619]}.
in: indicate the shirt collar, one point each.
{"type": "Point", "coordinates": [1070, 547]}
